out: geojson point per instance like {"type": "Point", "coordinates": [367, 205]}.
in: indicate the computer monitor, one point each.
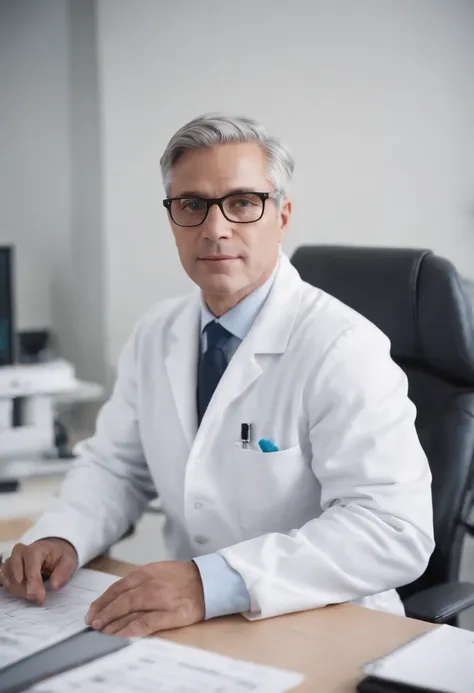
{"type": "Point", "coordinates": [7, 332]}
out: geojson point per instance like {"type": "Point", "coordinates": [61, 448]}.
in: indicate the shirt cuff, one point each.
{"type": "Point", "coordinates": [53, 530]}
{"type": "Point", "coordinates": [224, 589]}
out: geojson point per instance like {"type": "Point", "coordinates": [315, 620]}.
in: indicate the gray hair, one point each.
{"type": "Point", "coordinates": [213, 129]}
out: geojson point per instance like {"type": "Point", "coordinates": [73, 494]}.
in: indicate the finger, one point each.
{"type": "Point", "coordinates": [120, 623]}
{"type": "Point", "coordinates": [14, 589]}
{"type": "Point", "coordinates": [149, 623]}
{"type": "Point", "coordinates": [15, 562]}
{"type": "Point", "coordinates": [35, 590]}
{"type": "Point", "coordinates": [62, 572]}
{"type": "Point", "coordinates": [6, 576]}
{"type": "Point", "coordinates": [120, 587]}
{"type": "Point", "coordinates": [139, 599]}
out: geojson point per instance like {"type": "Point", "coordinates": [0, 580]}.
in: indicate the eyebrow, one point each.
{"type": "Point", "coordinates": [234, 191]}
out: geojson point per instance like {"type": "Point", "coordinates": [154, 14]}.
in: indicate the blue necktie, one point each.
{"type": "Point", "coordinates": [212, 364]}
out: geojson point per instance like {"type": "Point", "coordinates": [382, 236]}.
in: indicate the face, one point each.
{"type": "Point", "coordinates": [227, 260]}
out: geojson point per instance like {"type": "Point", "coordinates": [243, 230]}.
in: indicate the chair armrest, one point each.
{"type": "Point", "coordinates": [441, 603]}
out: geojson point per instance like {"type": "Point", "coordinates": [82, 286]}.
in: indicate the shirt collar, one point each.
{"type": "Point", "coordinates": [239, 319]}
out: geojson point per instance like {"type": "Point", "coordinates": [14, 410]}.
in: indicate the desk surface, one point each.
{"type": "Point", "coordinates": [329, 646]}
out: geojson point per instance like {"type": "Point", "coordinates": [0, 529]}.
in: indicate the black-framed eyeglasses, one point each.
{"type": "Point", "coordinates": [240, 208]}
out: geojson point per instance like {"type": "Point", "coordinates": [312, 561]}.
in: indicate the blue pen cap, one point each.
{"type": "Point", "coordinates": [267, 445]}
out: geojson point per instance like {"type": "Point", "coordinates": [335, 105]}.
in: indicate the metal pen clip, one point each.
{"type": "Point", "coordinates": [245, 431]}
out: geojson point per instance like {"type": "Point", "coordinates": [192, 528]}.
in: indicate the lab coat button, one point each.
{"type": "Point", "coordinates": [199, 539]}
{"type": "Point", "coordinates": [198, 505]}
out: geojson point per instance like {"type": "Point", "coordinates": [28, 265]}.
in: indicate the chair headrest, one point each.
{"type": "Point", "coordinates": [415, 297]}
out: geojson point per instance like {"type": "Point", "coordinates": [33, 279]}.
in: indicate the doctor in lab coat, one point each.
{"type": "Point", "coordinates": [329, 501]}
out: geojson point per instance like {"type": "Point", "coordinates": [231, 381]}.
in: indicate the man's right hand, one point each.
{"type": "Point", "coordinates": [24, 572]}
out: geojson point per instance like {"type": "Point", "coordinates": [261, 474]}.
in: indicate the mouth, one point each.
{"type": "Point", "coordinates": [218, 258]}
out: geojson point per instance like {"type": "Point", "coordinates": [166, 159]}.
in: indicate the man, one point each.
{"type": "Point", "coordinates": [268, 417]}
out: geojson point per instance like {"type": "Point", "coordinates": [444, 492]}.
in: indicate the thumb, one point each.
{"type": "Point", "coordinates": [62, 572]}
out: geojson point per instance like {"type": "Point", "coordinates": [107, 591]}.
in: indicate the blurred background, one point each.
{"type": "Point", "coordinates": [376, 100]}
{"type": "Point", "coordinates": [374, 97]}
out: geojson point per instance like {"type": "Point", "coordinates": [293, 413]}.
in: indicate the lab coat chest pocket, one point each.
{"type": "Point", "coordinates": [272, 491]}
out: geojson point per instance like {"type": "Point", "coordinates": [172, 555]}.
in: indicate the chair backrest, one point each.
{"type": "Point", "coordinates": [419, 301]}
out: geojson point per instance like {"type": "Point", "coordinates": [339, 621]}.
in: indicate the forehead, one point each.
{"type": "Point", "coordinates": [214, 171]}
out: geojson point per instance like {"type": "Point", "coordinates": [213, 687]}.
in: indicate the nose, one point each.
{"type": "Point", "coordinates": [216, 225]}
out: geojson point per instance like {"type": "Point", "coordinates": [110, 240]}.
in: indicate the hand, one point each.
{"type": "Point", "coordinates": [23, 572]}
{"type": "Point", "coordinates": [154, 597]}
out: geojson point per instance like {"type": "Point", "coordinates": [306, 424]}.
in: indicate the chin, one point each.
{"type": "Point", "coordinates": [220, 284]}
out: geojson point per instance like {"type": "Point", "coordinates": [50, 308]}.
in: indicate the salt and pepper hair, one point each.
{"type": "Point", "coordinates": [214, 129]}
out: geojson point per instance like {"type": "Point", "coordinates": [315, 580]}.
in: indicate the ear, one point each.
{"type": "Point", "coordinates": [285, 214]}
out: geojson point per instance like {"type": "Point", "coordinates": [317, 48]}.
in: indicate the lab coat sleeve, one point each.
{"type": "Point", "coordinates": [376, 529]}
{"type": "Point", "coordinates": [109, 484]}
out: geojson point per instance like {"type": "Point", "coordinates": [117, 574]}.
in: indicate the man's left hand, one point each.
{"type": "Point", "coordinates": [154, 597]}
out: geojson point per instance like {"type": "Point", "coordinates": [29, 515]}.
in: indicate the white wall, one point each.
{"type": "Point", "coordinates": [376, 99]}
{"type": "Point", "coordinates": [50, 185]}
{"type": "Point", "coordinates": [88, 279]}
{"type": "Point", "coordinates": [34, 153]}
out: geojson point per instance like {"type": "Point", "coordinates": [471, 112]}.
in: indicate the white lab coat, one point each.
{"type": "Point", "coordinates": [341, 513]}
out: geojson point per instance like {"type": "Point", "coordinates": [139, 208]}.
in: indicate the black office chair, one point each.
{"type": "Point", "coordinates": [419, 301]}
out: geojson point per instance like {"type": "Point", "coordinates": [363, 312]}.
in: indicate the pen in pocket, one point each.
{"type": "Point", "coordinates": [245, 434]}
{"type": "Point", "coordinates": [267, 445]}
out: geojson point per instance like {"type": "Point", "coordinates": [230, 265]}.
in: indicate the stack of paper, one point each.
{"type": "Point", "coordinates": [442, 660]}
{"type": "Point", "coordinates": [27, 628]}
{"type": "Point", "coordinates": [153, 664]}
{"type": "Point", "coordinates": [144, 666]}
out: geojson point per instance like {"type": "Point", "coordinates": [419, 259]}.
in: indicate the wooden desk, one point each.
{"type": "Point", "coordinates": [329, 646]}
{"type": "Point", "coordinates": [13, 529]}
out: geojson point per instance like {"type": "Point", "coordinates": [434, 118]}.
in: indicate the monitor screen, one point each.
{"type": "Point", "coordinates": [6, 306]}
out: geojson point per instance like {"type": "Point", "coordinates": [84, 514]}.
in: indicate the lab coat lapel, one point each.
{"type": "Point", "coordinates": [181, 361]}
{"type": "Point", "coordinates": [269, 335]}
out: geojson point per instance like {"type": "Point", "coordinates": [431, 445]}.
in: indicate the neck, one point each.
{"type": "Point", "coordinates": [219, 304]}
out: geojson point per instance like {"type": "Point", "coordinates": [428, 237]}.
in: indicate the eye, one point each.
{"type": "Point", "coordinates": [192, 205]}
{"type": "Point", "coordinates": [243, 201]}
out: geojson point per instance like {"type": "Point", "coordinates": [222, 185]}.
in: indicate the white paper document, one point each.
{"type": "Point", "coordinates": [154, 664]}
{"type": "Point", "coordinates": [442, 660]}
{"type": "Point", "coordinates": [26, 628]}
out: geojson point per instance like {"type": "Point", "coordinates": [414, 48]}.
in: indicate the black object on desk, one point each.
{"type": "Point", "coordinates": [372, 684]}
{"type": "Point", "coordinates": [9, 486]}
{"type": "Point", "coordinates": [7, 328]}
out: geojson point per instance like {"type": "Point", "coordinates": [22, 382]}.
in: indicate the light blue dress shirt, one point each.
{"type": "Point", "coordinates": [224, 589]}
